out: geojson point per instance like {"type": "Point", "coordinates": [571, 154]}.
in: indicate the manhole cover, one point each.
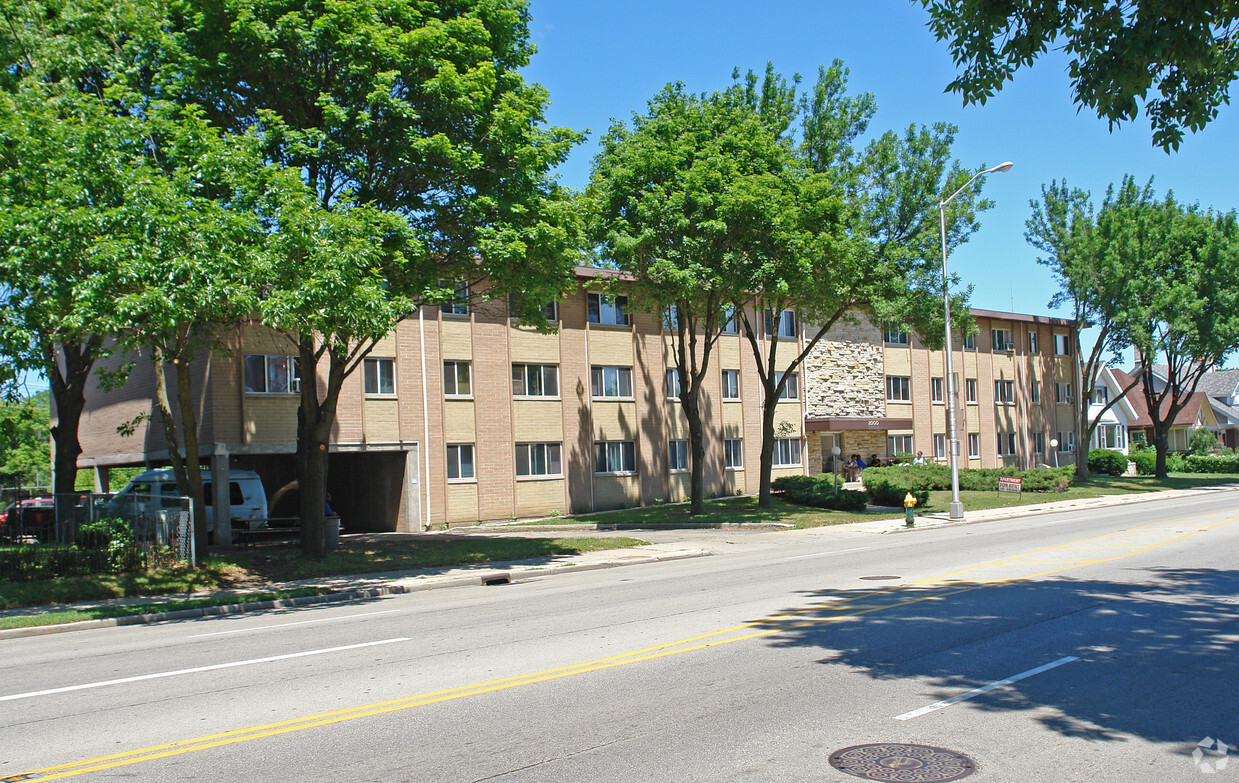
{"type": "Point", "coordinates": [900, 763]}
{"type": "Point", "coordinates": [880, 578]}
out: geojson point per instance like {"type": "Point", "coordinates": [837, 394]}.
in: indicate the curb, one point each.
{"type": "Point", "coordinates": [485, 578]}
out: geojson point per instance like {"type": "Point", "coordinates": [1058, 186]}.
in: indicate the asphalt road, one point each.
{"type": "Point", "coordinates": [1117, 629]}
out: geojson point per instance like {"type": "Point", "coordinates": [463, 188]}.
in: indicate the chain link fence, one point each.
{"type": "Point", "coordinates": [86, 533]}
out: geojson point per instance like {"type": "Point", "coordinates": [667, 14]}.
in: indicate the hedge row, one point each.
{"type": "Point", "coordinates": [819, 491]}
{"type": "Point", "coordinates": [889, 486]}
{"type": "Point", "coordinates": [1112, 463]}
{"type": "Point", "coordinates": [1146, 463]}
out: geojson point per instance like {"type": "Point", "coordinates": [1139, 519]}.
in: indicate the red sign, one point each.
{"type": "Point", "coordinates": [1010, 484]}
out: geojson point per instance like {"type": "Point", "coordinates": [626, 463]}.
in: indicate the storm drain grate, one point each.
{"type": "Point", "coordinates": [880, 578]}
{"type": "Point", "coordinates": [497, 579]}
{"type": "Point", "coordinates": [899, 763]}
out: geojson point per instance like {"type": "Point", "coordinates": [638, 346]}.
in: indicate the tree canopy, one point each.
{"type": "Point", "coordinates": [1173, 59]}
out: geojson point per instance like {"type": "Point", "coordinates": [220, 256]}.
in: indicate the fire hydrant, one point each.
{"type": "Point", "coordinates": [909, 503]}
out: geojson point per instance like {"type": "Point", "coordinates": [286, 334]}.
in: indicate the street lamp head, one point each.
{"type": "Point", "coordinates": [1053, 442]}
{"type": "Point", "coordinates": [836, 451]}
{"type": "Point", "coordinates": [1004, 166]}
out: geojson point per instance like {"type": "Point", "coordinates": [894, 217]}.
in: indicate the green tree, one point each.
{"type": "Point", "coordinates": [411, 121]}
{"type": "Point", "coordinates": [24, 432]}
{"type": "Point", "coordinates": [695, 184]}
{"type": "Point", "coordinates": [1176, 57]}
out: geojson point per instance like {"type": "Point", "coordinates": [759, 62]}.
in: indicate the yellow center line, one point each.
{"type": "Point", "coordinates": [837, 609]}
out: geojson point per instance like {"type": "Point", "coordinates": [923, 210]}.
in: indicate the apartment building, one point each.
{"type": "Point", "coordinates": [461, 414]}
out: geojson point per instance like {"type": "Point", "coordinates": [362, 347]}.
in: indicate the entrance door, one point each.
{"type": "Point", "coordinates": [831, 440]}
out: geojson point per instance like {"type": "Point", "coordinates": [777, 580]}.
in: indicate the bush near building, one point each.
{"type": "Point", "coordinates": [1108, 461]}
{"type": "Point", "coordinates": [889, 486]}
{"type": "Point", "coordinates": [1196, 463]}
{"type": "Point", "coordinates": [819, 491]}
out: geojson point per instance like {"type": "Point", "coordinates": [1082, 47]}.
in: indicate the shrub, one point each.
{"type": "Point", "coordinates": [1146, 461]}
{"type": "Point", "coordinates": [1201, 441]}
{"type": "Point", "coordinates": [902, 458]}
{"type": "Point", "coordinates": [889, 486]}
{"type": "Point", "coordinates": [819, 491]}
{"type": "Point", "coordinates": [1107, 461]}
{"type": "Point", "coordinates": [850, 500]}
{"type": "Point", "coordinates": [99, 535]}
{"type": "Point", "coordinates": [1047, 479]}
{"type": "Point", "coordinates": [1220, 463]}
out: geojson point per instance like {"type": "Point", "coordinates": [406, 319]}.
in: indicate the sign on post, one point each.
{"type": "Point", "coordinates": [1010, 484]}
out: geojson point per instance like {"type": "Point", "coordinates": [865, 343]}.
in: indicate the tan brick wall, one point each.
{"type": "Point", "coordinates": [537, 421]}
{"type": "Point", "coordinates": [541, 497]}
{"type": "Point", "coordinates": [528, 346]}
{"type": "Point", "coordinates": [382, 421]}
{"type": "Point", "coordinates": [610, 346]}
{"type": "Point", "coordinates": [614, 421]}
{"type": "Point", "coordinates": [574, 390]}
{"type": "Point", "coordinates": [270, 418]}
{"type": "Point", "coordinates": [616, 492]}
{"type": "Point", "coordinates": [492, 393]}
{"type": "Point", "coordinates": [462, 502]}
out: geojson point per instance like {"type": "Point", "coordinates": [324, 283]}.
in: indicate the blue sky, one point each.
{"type": "Point", "coordinates": [603, 60]}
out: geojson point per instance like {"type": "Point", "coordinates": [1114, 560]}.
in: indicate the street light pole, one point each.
{"type": "Point", "coordinates": [957, 507]}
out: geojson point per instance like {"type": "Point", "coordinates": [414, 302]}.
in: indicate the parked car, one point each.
{"type": "Point", "coordinates": [156, 489]}
{"type": "Point", "coordinates": [29, 519]}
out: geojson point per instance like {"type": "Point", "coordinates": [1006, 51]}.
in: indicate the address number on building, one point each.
{"type": "Point", "coordinates": [875, 423]}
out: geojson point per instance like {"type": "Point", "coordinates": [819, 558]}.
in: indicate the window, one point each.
{"type": "Point", "coordinates": [787, 324]}
{"type": "Point", "coordinates": [671, 318]}
{"type": "Point", "coordinates": [1101, 396]}
{"type": "Point", "coordinates": [899, 444]}
{"type": "Point", "coordinates": [898, 388]}
{"type": "Point", "coordinates": [935, 389]}
{"type": "Point", "coordinates": [460, 461]}
{"type": "Point", "coordinates": [456, 379]}
{"type": "Point", "coordinates": [1066, 442]}
{"type": "Point", "coordinates": [605, 309]}
{"type": "Point", "coordinates": [615, 456]}
{"type": "Point", "coordinates": [272, 374]}
{"type": "Point", "coordinates": [731, 384]}
{"type": "Point", "coordinates": [791, 390]}
{"type": "Point", "coordinates": [786, 452]}
{"type": "Point", "coordinates": [939, 447]}
{"type": "Point", "coordinates": [974, 444]}
{"type": "Point", "coordinates": [1006, 444]}
{"type": "Point", "coordinates": [1004, 392]}
{"type": "Point", "coordinates": [538, 459]}
{"type": "Point", "coordinates": [1062, 393]}
{"type": "Point", "coordinates": [678, 457]}
{"type": "Point", "coordinates": [970, 342]}
{"type": "Point", "coordinates": [673, 384]}
{"type": "Point", "coordinates": [1033, 347]}
{"type": "Point", "coordinates": [550, 310]}
{"type": "Point", "coordinates": [1034, 392]}
{"type": "Point", "coordinates": [459, 305]}
{"type": "Point", "coordinates": [893, 335]}
{"type": "Point", "coordinates": [1109, 436]}
{"type": "Point", "coordinates": [970, 389]}
{"type": "Point", "coordinates": [733, 454]}
{"type": "Point", "coordinates": [1000, 339]}
{"type": "Point", "coordinates": [729, 321]}
{"type": "Point", "coordinates": [235, 497]}
{"type": "Point", "coordinates": [1062, 344]}
{"type": "Point", "coordinates": [1038, 442]}
{"type": "Point", "coordinates": [611, 381]}
{"type": "Point", "coordinates": [535, 380]}
{"type": "Point", "coordinates": [380, 376]}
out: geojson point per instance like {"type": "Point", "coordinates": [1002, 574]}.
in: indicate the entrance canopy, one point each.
{"type": "Point", "coordinates": [846, 423]}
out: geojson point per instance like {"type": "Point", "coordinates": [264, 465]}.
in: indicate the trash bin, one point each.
{"type": "Point", "coordinates": [331, 531]}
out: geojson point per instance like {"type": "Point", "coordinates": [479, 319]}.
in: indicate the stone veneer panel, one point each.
{"type": "Point", "coordinates": [844, 373]}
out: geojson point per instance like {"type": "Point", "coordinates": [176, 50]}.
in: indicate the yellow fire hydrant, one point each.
{"type": "Point", "coordinates": [909, 503]}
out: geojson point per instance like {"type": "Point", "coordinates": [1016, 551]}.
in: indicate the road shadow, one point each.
{"type": "Point", "coordinates": [1157, 654]}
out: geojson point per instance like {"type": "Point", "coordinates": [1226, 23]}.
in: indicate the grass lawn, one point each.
{"type": "Point", "coordinates": [744, 510]}
{"type": "Point", "coordinates": [260, 567]}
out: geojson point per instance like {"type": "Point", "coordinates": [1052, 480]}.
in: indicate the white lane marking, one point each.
{"type": "Point", "coordinates": [159, 675]}
{"type": "Point", "coordinates": [286, 625]}
{"type": "Point", "coordinates": [984, 689]}
{"type": "Point", "coordinates": [823, 554]}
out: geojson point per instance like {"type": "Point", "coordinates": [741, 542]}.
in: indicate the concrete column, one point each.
{"type": "Point", "coordinates": [102, 476]}
{"type": "Point", "coordinates": [222, 501]}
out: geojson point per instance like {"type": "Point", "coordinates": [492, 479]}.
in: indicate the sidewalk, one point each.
{"type": "Point", "coordinates": [363, 586]}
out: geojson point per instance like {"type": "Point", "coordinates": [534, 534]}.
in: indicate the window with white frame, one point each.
{"type": "Point", "coordinates": [1006, 444]}
{"type": "Point", "coordinates": [1034, 392]}
{"type": "Point", "coordinates": [457, 380]}
{"type": "Point", "coordinates": [939, 446]}
{"type": "Point", "coordinates": [678, 455]}
{"type": "Point", "coordinates": [460, 461]}
{"type": "Point", "coordinates": [607, 310]}
{"type": "Point", "coordinates": [791, 389]}
{"type": "Point", "coordinates": [610, 381]}
{"type": "Point", "coordinates": [1066, 441]}
{"type": "Point", "coordinates": [731, 384]}
{"type": "Point", "coordinates": [892, 334]}
{"type": "Point", "coordinates": [786, 452]}
{"type": "Point", "coordinates": [272, 374]}
{"type": "Point", "coordinates": [1038, 442]}
{"type": "Point", "coordinates": [673, 383]}
{"type": "Point", "coordinates": [538, 459]}
{"type": "Point", "coordinates": [935, 390]}
{"type": "Point", "coordinates": [786, 326]}
{"type": "Point", "coordinates": [898, 388]}
{"type": "Point", "coordinates": [1004, 392]}
{"type": "Point", "coordinates": [379, 376]}
{"type": "Point", "coordinates": [615, 456]}
{"type": "Point", "coordinates": [970, 390]}
{"type": "Point", "coordinates": [1000, 339]}
{"type": "Point", "coordinates": [970, 342]}
{"type": "Point", "coordinates": [1062, 393]}
{"type": "Point", "coordinates": [898, 444]}
{"type": "Point", "coordinates": [1062, 344]}
{"type": "Point", "coordinates": [730, 322]}
{"type": "Point", "coordinates": [733, 453]}
{"type": "Point", "coordinates": [1101, 396]}
{"type": "Point", "coordinates": [1108, 436]}
{"type": "Point", "coordinates": [535, 380]}
{"type": "Point", "coordinates": [459, 305]}
{"type": "Point", "coordinates": [1033, 346]}
{"type": "Point", "coordinates": [974, 445]}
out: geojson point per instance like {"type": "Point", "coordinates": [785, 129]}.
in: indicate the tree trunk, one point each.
{"type": "Point", "coordinates": [697, 446]}
{"type": "Point", "coordinates": [769, 408]}
{"type": "Point", "coordinates": [314, 422]}
{"type": "Point", "coordinates": [1161, 442]}
{"type": "Point", "coordinates": [164, 404]}
{"type": "Point", "coordinates": [68, 390]}
{"type": "Point", "coordinates": [1084, 436]}
{"type": "Point", "coordinates": [193, 471]}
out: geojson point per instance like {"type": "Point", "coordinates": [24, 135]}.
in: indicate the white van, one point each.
{"type": "Point", "coordinates": [248, 499]}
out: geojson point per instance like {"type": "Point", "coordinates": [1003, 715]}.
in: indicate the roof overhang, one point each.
{"type": "Point", "coordinates": [853, 423]}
